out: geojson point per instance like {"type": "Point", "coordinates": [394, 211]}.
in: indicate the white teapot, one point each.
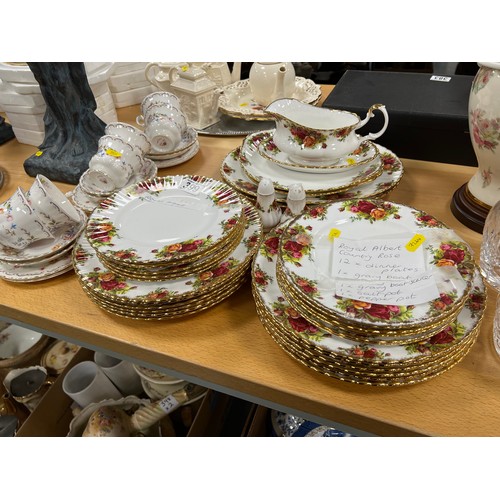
{"type": "Point", "coordinates": [271, 80]}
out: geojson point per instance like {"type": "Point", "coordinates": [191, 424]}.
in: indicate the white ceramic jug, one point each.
{"type": "Point", "coordinates": [271, 81]}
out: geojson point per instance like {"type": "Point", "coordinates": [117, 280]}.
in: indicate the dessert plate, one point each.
{"type": "Point", "coordinates": [236, 99]}
{"type": "Point", "coordinates": [165, 219]}
{"type": "Point", "coordinates": [64, 237]}
{"type": "Point", "coordinates": [166, 161]}
{"type": "Point", "coordinates": [256, 167]}
{"type": "Point", "coordinates": [366, 152]}
{"type": "Point", "coordinates": [306, 252]}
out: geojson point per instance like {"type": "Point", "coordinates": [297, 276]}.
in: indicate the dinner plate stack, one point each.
{"type": "Point", "coordinates": [167, 247]}
{"type": "Point", "coordinates": [369, 171]}
{"type": "Point", "coordinates": [305, 304]}
{"type": "Point", "coordinates": [42, 259]}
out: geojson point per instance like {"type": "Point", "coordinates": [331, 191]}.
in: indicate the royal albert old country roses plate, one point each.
{"type": "Point", "coordinates": [165, 219]}
{"type": "Point", "coordinates": [306, 251]}
{"type": "Point", "coordinates": [268, 293]}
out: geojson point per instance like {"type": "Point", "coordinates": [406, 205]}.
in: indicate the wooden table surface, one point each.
{"type": "Point", "coordinates": [227, 348]}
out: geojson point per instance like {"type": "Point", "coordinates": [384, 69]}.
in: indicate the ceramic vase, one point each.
{"type": "Point", "coordinates": [472, 201]}
{"type": "Point", "coordinates": [484, 126]}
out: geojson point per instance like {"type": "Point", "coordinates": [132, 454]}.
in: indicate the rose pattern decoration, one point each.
{"type": "Point", "coordinates": [425, 220]}
{"type": "Point", "coordinates": [170, 251]}
{"type": "Point", "coordinates": [371, 210]}
{"type": "Point", "coordinates": [269, 247]}
{"type": "Point", "coordinates": [447, 336]}
{"type": "Point", "coordinates": [481, 79]}
{"type": "Point", "coordinates": [159, 294]}
{"type": "Point", "coordinates": [453, 253]}
{"type": "Point", "coordinates": [366, 310]}
{"type": "Point", "coordinates": [80, 254]}
{"type": "Point", "coordinates": [229, 224]}
{"type": "Point", "coordinates": [390, 163]}
{"type": "Point", "coordinates": [206, 277]}
{"type": "Point", "coordinates": [253, 140]}
{"type": "Point", "coordinates": [310, 138]}
{"type": "Point", "coordinates": [108, 281]}
{"type": "Point", "coordinates": [476, 301]}
{"type": "Point", "coordinates": [365, 352]}
{"type": "Point", "coordinates": [129, 254]}
{"type": "Point", "coordinates": [315, 212]}
{"type": "Point", "coordinates": [309, 287]}
{"type": "Point", "coordinates": [287, 314]}
{"type": "Point", "coordinates": [252, 241]}
{"type": "Point", "coordinates": [227, 169]}
{"type": "Point", "coordinates": [296, 244]}
{"type": "Point", "coordinates": [444, 302]}
{"type": "Point", "coordinates": [485, 132]}
{"type": "Point", "coordinates": [270, 147]}
{"type": "Point", "coordinates": [261, 278]}
{"type": "Point", "coordinates": [101, 232]}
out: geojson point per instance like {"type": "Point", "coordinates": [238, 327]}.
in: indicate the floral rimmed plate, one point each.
{"type": "Point", "coordinates": [167, 219]}
{"type": "Point", "coordinates": [236, 99]}
{"type": "Point", "coordinates": [94, 274]}
{"type": "Point", "coordinates": [392, 173]}
{"type": "Point", "coordinates": [268, 293]}
{"type": "Point", "coordinates": [256, 167]}
{"type": "Point", "coordinates": [365, 153]}
{"type": "Point", "coordinates": [64, 237]}
{"type": "Point", "coordinates": [306, 249]}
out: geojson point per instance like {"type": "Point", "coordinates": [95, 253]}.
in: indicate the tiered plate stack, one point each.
{"type": "Point", "coordinates": [167, 247]}
{"type": "Point", "coordinates": [369, 171]}
{"type": "Point", "coordinates": [298, 300]}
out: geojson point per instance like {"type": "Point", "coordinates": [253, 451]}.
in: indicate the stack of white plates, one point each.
{"type": "Point", "coordinates": [128, 83]}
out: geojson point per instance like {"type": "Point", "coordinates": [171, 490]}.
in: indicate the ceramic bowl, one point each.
{"type": "Point", "coordinates": [57, 356]}
{"type": "Point", "coordinates": [20, 346]}
{"type": "Point", "coordinates": [156, 377]}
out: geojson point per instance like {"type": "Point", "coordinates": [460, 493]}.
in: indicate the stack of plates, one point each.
{"type": "Point", "coordinates": [370, 171]}
{"type": "Point", "coordinates": [361, 342]}
{"type": "Point", "coordinates": [185, 150]}
{"type": "Point", "coordinates": [167, 247]}
{"type": "Point", "coordinates": [42, 259]}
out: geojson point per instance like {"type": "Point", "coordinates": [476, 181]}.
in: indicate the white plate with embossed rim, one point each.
{"type": "Point", "coordinates": [256, 167]}
{"type": "Point", "coordinates": [236, 98]}
{"type": "Point", "coordinates": [168, 162]}
{"type": "Point", "coordinates": [392, 173]}
{"type": "Point", "coordinates": [366, 152]}
{"type": "Point", "coordinates": [306, 249]}
{"type": "Point", "coordinates": [166, 219]}
{"type": "Point", "coordinates": [64, 237]}
{"type": "Point", "coordinates": [94, 274]}
{"type": "Point", "coordinates": [265, 285]}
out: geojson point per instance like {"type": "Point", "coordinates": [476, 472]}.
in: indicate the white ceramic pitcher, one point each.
{"type": "Point", "coordinates": [271, 81]}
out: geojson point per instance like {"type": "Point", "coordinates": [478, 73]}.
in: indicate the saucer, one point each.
{"type": "Point", "coordinates": [366, 152]}
{"type": "Point", "coordinates": [44, 248]}
{"type": "Point", "coordinates": [392, 172]}
{"type": "Point", "coordinates": [236, 99]}
{"type": "Point", "coordinates": [162, 162]}
{"type": "Point", "coordinates": [188, 138]}
{"type": "Point", "coordinates": [256, 167]}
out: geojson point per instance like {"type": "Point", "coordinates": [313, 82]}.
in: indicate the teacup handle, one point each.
{"type": "Point", "coordinates": [374, 135]}
{"type": "Point", "coordinates": [140, 120]}
{"type": "Point", "coordinates": [150, 75]}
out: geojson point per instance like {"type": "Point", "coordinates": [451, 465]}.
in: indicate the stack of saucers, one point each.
{"type": "Point", "coordinates": [39, 228]}
{"type": "Point", "coordinates": [369, 171]}
{"type": "Point", "coordinates": [167, 247]}
{"type": "Point", "coordinates": [355, 340]}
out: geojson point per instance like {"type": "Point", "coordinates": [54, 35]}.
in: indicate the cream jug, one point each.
{"type": "Point", "coordinates": [271, 81]}
{"type": "Point", "coordinates": [157, 73]}
{"type": "Point", "coordinates": [308, 133]}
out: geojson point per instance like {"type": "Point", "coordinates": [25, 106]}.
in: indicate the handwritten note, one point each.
{"type": "Point", "coordinates": [417, 290]}
{"type": "Point", "coordinates": [385, 260]}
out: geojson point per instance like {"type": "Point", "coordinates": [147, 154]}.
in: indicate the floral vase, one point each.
{"type": "Point", "coordinates": [473, 201]}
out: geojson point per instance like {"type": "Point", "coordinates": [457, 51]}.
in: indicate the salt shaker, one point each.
{"type": "Point", "coordinates": [269, 211]}
{"type": "Point", "coordinates": [295, 202]}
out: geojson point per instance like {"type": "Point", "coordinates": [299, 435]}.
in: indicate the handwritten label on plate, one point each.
{"type": "Point", "coordinates": [417, 290]}
{"type": "Point", "coordinates": [190, 186]}
{"type": "Point", "coordinates": [386, 259]}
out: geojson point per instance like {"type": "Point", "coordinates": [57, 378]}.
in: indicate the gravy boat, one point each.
{"type": "Point", "coordinates": [308, 133]}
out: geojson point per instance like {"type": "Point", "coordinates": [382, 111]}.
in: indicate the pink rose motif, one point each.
{"type": "Point", "coordinates": [301, 325]}
{"type": "Point", "coordinates": [379, 311]}
{"type": "Point", "coordinates": [293, 246]}
{"type": "Point", "coordinates": [457, 255]}
{"type": "Point", "coordinates": [443, 337]}
{"type": "Point", "coordinates": [366, 206]}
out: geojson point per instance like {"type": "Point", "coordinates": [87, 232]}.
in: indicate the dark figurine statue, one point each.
{"type": "Point", "coordinates": [72, 129]}
{"type": "Point", "coordinates": [6, 132]}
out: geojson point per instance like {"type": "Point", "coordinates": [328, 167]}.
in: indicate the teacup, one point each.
{"type": "Point", "coordinates": [164, 133]}
{"type": "Point", "coordinates": [20, 225]}
{"type": "Point", "coordinates": [129, 134]}
{"type": "Point", "coordinates": [159, 98]}
{"type": "Point", "coordinates": [97, 183]}
{"type": "Point", "coordinates": [308, 133]}
{"type": "Point", "coordinates": [51, 205]}
{"type": "Point", "coordinates": [166, 109]}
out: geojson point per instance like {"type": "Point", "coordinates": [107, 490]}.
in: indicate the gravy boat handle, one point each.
{"type": "Point", "coordinates": [374, 135]}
